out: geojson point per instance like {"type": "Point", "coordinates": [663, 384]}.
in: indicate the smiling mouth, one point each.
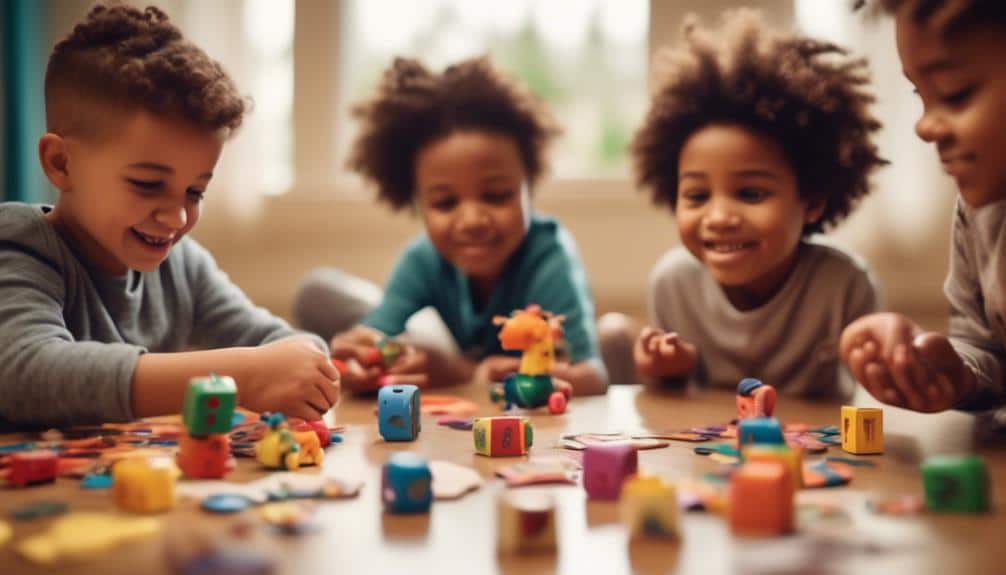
{"type": "Point", "coordinates": [728, 247]}
{"type": "Point", "coordinates": [152, 241]}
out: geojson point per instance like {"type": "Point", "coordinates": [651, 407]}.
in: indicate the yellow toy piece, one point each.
{"type": "Point", "coordinates": [311, 452]}
{"type": "Point", "coordinates": [281, 448]}
{"type": "Point", "coordinates": [5, 532]}
{"type": "Point", "coordinates": [533, 332]}
{"type": "Point", "coordinates": [144, 485]}
{"type": "Point", "coordinates": [791, 458]}
{"type": "Point", "coordinates": [862, 429]}
{"type": "Point", "coordinates": [80, 536]}
{"type": "Point", "coordinates": [649, 507]}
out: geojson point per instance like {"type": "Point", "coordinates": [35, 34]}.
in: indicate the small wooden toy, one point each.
{"type": "Point", "coordinates": [279, 448]}
{"type": "Point", "coordinates": [862, 429]}
{"type": "Point", "coordinates": [956, 484]}
{"type": "Point", "coordinates": [502, 436]}
{"type": "Point", "coordinates": [209, 405]}
{"type": "Point", "coordinates": [754, 399]}
{"type": "Point", "coordinates": [649, 508]}
{"type": "Point", "coordinates": [759, 430]}
{"type": "Point", "coordinates": [406, 484]}
{"type": "Point", "coordinates": [791, 458]}
{"type": "Point", "coordinates": [525, 523]}
{"type": "Point", "coordinates": [606, 467]}
{"type": "Point", "coordinates": [205, 457]}
{"type": "Point", "coordinates": [32, 467]}
{"type": "Point", "coordinates": [533, 332]}
{"type": "Point", "coordinates": [761, 499]}
{"type": "Point", "coordinates": [144, 485]}
{"type": "Point", "coordinates": [398, 415]}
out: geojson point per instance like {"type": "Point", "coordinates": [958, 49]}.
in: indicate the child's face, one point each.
{"type": "Point", "coordinates": [471, 190]}
{"type": "Point", "coordinates": [128, 199]}
{"type": "Point", "coordinates": [738, 210]}
{"type": "Point", "coordinates": [962, 83]}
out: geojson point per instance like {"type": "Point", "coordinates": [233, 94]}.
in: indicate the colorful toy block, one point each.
{"type": "Point", "coordinates": [502, 436]}
{"type": "Point", "coordinates": [32, 467]}
{"type": "Point", "coordinates": [759, 430]}
{"type": "Point", "coordinates": [649, 508]}
{"type": "Point", "coordinates": [320, 428]}
{"type": "Point", "coordinates": [398, 413]}
{"type": "Point", "coordinates": [278, 448]}
{"type": "Point", "coordinates": [525, 523]}
{"type": "Point", "coordinates": [761, 499]}
{"type": "Point", "coordinates": [862, 430]}
{"type": "Point", "coordinates": [310, 447]}
{"type": "Point", "coordinates": [754, 399]}
{"type": "Point", "coordinates": [606, 467]}
{"type": "Point", "coordinates": [406, 484]}
{"type": "Point", "coordinates": [791, 458]}
{"type": "Point", "coordinates": [209, 405]}
{"type": "Point", "coordinates": [143, 485]}
{"type": "Point", "coordinates": [205, 457]}
{"type": "Point", "coordinates": [956, 484]}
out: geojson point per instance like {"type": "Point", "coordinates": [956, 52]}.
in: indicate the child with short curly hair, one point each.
{"type": "Point", "coordinates": [102, 296]}
{"type": "Point", "coordinates": [755, 141]}
{"type": "Point", "coordinates": [954, 52]}
{"type": "Point", "coordinates": [465, 148]}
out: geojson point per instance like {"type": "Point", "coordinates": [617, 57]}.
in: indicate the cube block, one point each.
{"type": "Point", "coordinates": [862, 430]}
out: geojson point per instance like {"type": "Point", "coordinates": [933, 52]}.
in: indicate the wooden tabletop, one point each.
{"type": "Point", "coordinates": [460, 535]}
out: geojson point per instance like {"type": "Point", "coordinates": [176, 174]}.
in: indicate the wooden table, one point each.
{"type": "Point", "coordinates": [459, 536]}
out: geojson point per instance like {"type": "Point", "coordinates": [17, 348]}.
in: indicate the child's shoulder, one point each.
{"type": "Point", "coordinates": [676, 265]}
{"type": "Point", "coordinates": [828, 259]}
{"type": "Point", "coordinates": [23, 230]}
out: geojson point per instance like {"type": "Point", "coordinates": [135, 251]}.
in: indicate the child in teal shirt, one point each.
{"type": "Point", "coordinates": [464, 148]}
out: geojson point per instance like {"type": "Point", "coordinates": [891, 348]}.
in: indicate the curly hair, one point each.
{"type": "Point", "coordinates": [961, 17]}
{"type": "Point", "coordinates": [806, 95]}
{"type": "Point", "coordinates": [122, 58]}
{"type": "Point", "coordinates": [414, 107]}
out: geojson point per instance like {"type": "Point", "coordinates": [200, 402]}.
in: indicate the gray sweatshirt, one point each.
{"type": "Point", "coordinates": [976, 288]}
{"type": "Point", "coordinates": [70, 335]}
{"type": "Point", "coordinates": [790, 342]}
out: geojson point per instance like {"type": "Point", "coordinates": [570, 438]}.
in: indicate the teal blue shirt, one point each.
{"type": "Point", "coordinates": [545, 270]}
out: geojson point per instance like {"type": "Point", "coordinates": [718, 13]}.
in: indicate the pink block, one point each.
{"type": "Point", "coordinates": [606, 467]}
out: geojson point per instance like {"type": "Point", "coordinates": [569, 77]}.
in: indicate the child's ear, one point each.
{"type": "Point", "coordinates": [52, 154]}
{"type": "Point", "coordinates": [813, 211]}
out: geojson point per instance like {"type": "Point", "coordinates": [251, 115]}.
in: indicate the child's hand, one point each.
{"type": "Point", "coordinates": [413, 367]}
{"type": "Point", "coordinates": [498, 367]}
{"type": "Point", "coordinates": [660, 354]}
{"type": "Point", "coordinates": [353, 348]}
{"type": "Point", "coordinates": [291, 376]}
{"type": "Point", "coordinates": [901, 365]}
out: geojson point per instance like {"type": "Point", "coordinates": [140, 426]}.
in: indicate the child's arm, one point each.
{"type": "Point", "coordinates": [659, 355]}
{"type": "Point", "coordinates": [587, 377]}
{"type": "Point", "coordinates": [291, 376]}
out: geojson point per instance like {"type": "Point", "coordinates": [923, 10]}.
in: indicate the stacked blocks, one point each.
{"type": "Point", "coordinates": [502, 436]}
{"type": "Point", "coordinates": [525, 523]}
{"type": "Point", "coordinates": [956, 484]}
{"type": "Point", "coordinates": [406, 484]}
{"type": "Point", "coordinates": [606, 467]}
{"type": "Point", "coordinates": [649, 508]}
{"type": "Point", "coordinates": [143, 485]}
{"type": "Point", "coordinates": [761, 499]}
{"type": "Point", "coordinates": [791, 458]}
{"type": "Point", "coordinates": [398, 412]}
{"type": "Point", "coordinates": [862, 430]}
{"type": "Point", "coordinates": [208, 409]}
{"type": "Point", "coordinates": [754, 399]}
{"type": "Point", "coordinates": [759, 430]}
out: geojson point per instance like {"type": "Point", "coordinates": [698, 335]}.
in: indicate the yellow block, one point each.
{"type": "Point", "coordinates": [791, 458]}
{"type": "Point", "coordinates": [862, 429]}
{"type": "Point", "coordinates": [649, 507]}
{"type": "Point", "coordinates": [144, 485]}
{"type": "Point", "coordinates": [79, 536]}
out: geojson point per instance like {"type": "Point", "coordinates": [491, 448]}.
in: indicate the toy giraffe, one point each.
{"type": "Point", "coordinates": [533, 332]}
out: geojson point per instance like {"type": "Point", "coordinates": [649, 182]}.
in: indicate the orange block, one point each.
{"type": "Point", "coordinates": [761, 499]}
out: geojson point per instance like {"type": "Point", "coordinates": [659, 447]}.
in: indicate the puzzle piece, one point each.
{"type": "Point", "coordinates": [451, 481]}
{"type": "Point", "coordinates": [82, 535]}
{"type": "Point", "coordinates": [539, 471]}
{"type": "Point", "coordinates": [580, 441]}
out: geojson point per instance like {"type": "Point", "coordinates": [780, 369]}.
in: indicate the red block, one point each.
{"type": "Point", "coordinates": [32, 467]}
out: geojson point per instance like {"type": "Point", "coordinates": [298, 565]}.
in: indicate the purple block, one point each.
{"type": "Point", "coordinates": [606, 467]}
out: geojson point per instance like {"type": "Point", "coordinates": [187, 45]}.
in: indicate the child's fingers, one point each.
{"type": "Point", "coordinates": [667, 349]}
{"type": "Point", "coordinates": [414, 362]}
{"type": "Point", "coordinates": [857, 362]}
{"type": "Point", "coordinates": [318, 401]}
{"type": "Point", "coordinates": [902, 377]}
{"type": "Point", "coordinates": [330, 391]}
{"type": "Point", "coordinates": [500, 368]}
{"type": "Point", "coordinates": [878, 381]}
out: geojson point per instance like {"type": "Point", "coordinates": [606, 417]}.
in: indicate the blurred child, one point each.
{"type": "Point", "coordinates": [102, 296]}
{"type": "Point", "coordinates": [755, 141]}
{"type": "Point", "coordinates": [954, 52]}
{"type": "Point", "coordinates": [464, 148]}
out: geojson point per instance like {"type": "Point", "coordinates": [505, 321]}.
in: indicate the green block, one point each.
{"type": "Point", "coordinates": [209, 405]}
{"type": "Point", "coordinates": [956, 484]}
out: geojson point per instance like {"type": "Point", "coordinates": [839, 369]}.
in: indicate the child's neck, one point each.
{"type": "Point", "coordinates": [758, 292]}
{"type": "Point", "coordinates": [481, 291]}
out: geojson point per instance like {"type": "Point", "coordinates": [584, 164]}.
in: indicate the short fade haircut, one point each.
{"type": "Point", "coordinates": [121, 58]}
{"type": "Point", "coordinates": [963, 15]}
{"type": "Point", "coordinates": [414, 107]}
{"type": "Point", "coordinates": [806, 95]}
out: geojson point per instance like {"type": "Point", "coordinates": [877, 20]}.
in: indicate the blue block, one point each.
{"type": "Point", "coordinates": [398, 412]}
{"type": "Point", "coordinates": [760, 430]}
{"type": "Point", "coordinates": [406, 484]}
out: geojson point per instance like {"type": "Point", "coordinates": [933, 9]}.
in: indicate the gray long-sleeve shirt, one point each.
{"type": "Point", "coordinates": [70, 335]}
{"type": "Point", "coordinates": [790, 342]}
{"type": "Point", "coordinates": [976, 288]}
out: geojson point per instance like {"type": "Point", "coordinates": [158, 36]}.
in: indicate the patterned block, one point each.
{"type": "Point", "coordinates": [761, 499]}
{"type": "Point", "coordinates": [209, 405]}
{"type": "Point", "coordinates": [862, 430]}
{"type": "Point", "coordinates": [406, 484]}
{"type": "Point", "coordinates": [649, 508]}
{"type": "Point", "coordinates": [956, 484]}
{"type": "Point", "coordinates": [398, 412]}
{"type": "Point", "coordinates": [606, 467]}
{"type": "Point", "coordinates": [503, 436]}
{"type": "Point", "coordinates": [759, 430]}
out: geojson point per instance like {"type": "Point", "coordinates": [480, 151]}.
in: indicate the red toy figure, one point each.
{"type": "Point", "coordinates": [205, 457]}
{"type": "Point", "coordinates": [754, 399]}
{"type": "Point", "coordinates": [32, 467]}
{"type": "Point", "coordinates": [319, 427]}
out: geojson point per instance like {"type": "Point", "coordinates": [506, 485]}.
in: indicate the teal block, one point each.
{"type": "Point", "coordinates": [956, 484]}
{"type": "Point", "coordinates": [209, 405]}
{"type": "Point", "coordinates": [760, 430]}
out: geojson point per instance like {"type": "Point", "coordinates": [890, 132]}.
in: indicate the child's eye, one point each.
{"type": "Point", "coordinates": [444, 204]}
{"type": "Point", "coordinates": [695, 196]}
{"type": "Point", "coordinates": [959, 97]}
{"type": "Point", "coordinates": [501, 197]}
{"type": "Point", "coordinates": [145, 186]}
{"type": "Point", "coordinates": [752, 195]}
{"type": "Point", "coordinates": [194, 194]}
